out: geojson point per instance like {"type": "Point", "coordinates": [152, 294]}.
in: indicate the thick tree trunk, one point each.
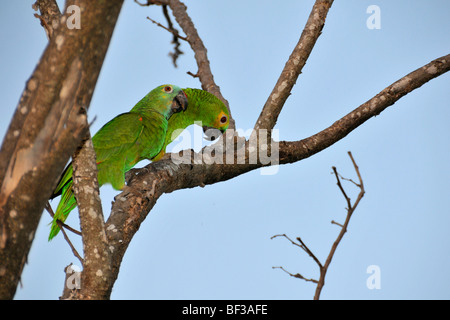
{"type": "Point", "coordinates": [48, 125]}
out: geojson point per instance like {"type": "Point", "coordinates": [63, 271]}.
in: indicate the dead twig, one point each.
{"type": "Point", "coordinates": [173, 31]}
{"type": "Point", "coordinates": [59, 222]}
{"type": "Point", "coordinates": [301, 245]}
{"type": "Point", "coordinates": [176, 36]}
{"type": "Point", "coordinates": [205, 76]}
{"type": "Point", "coordinates": [297, 275]}
{"type": "Point", "coordinates": [350, 209]}
{"type": "Point", "coordinates": [49, 15]}
{"type": "Point", "coordinates": [294, 66]}
{"type": "Point", "coordinates": [63, 226]}
{"type": "Point", "coordinates": [150, 2]}
{"type": "Point", "coordinates": [192, 75]}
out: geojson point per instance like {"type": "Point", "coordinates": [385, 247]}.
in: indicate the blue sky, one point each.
{"type": "Point", "coordinates": [214, 242]}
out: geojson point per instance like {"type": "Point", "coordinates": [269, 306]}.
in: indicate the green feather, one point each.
{"type": "Point", "coordinates": [123, 142]}
{"type": "Point", "coordinates": [203, 107]}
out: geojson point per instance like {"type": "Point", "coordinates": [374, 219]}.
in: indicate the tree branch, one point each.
{"type": "Point", "coordinates": [63, 226]}
{"type": "Point", "coordinates": [96, 274]}
{"type": "Point", "coordinates": [50, 15]}
{"type": "Point", "coordinates": [324, 268]}
{"type": "Point", "coordinates": [294, 65]}
{"type": "Point", "coordinates": [293, 151]}
{"type": "Point", "coordinates": [297, 275]}
{"type": "Point", "coordinates": [204, 72]}
{"type": "Point", "coordinates": [46, 129]}
{"type": "Point", "coordinates": [351, 208]}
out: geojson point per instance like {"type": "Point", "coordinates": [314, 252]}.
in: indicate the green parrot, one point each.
{"type": "Point", "coordinates": [204, 107]}
{"type": "Point", "coordinates": [124, 141]}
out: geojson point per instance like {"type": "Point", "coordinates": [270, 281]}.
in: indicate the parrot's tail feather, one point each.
{"type": "Point", "coordinates": [66, 204]}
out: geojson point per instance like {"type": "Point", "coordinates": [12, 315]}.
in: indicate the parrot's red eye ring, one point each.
{"type": "Point", "coordinates": [223, 119]}
{"type": "Point", "coordinates": [168, 89]}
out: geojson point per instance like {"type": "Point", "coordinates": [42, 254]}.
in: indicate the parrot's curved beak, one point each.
{"type": "Point", "coordinates": [212, 134]}
{"type": "Point", "coordinates": [180, 102]}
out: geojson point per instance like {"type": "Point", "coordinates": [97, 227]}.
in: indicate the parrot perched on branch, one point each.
{"type": "Point", "coordinates": [203, 107]}
{"type": "Point", "coordinates": [124, 141]}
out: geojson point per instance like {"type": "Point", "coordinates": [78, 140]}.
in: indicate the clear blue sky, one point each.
{"type": "Point", "coordinates": [214, 242]}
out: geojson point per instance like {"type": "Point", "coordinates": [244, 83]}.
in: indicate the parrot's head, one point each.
{"type": "Point", "coordinates": [166, 100]}
{"type": "Point", "coordinates": [218, 125]}
{"type": "Point", "coordinates": [209, 110]}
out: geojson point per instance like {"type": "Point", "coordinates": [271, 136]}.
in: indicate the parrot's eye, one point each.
{"type": "Point", "coordinates": [168, 89]}
{"type": "Point", "coordinates": [223, 119]}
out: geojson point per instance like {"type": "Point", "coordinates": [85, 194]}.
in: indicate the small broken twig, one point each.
{"type": "Point", "coordinates": [297, 275]}
{"type": "Point", "coordinates": [176, 36]}
{"type": "Point", "coordinates": [173, 31]}
{"type": "Point", "coordinates": [63, 226]}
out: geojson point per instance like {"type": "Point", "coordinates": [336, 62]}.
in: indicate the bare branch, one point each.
{"type": "Point", "coordinates": [301, 245]}
{"type": "Point", "coordinates": [204, 69]}
{"type": "Point", "coordinates": [323, 269]}
{"type": "Point", "coordinates": [337, 223]}
{"type": "Point", "coordinates": [50, 15]}
{"type": "Point", "coordinates": [176, 36]}
{"type": "Point", "coordinates": [341, 188]}
{"type": "Point", "coordinates": [150, 2]}
{"type": "Point", "coordinates": [350, 210]}
{"type": "Point", "coordinates": [294, 65]}
{"type": "Point", "coordinates": [177, 52]}
{"type": "Point", "coordinates": [63, 226]}
{"type": "Point", "coordinates": [297, 150]}
{"type": "Point", "coordinates": [297, 275]}
{"type": "Point", "coordinates": [173, 31]}
{"type": "Point", "coordinates": [309, 252]}
{"type": "Point", "coordinates": [192, 75]}
{"type": "Point", "coordinates": [96, 275]}
{"type": "Point", "coordinates": [60, 223]}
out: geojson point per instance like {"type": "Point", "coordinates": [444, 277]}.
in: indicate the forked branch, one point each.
{"type": "Point", "coordinates": [350, 210]}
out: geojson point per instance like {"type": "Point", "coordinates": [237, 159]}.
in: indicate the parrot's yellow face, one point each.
{"type": "Point", "coordinates": [222, 121]}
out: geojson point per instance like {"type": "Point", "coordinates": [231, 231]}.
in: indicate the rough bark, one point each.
{"type": "Point", "coordinates": [47, 127]}
{"type": "Point", "coordinates": [293, 68]}
{"type": "Point", "coordinates": [96, 274]}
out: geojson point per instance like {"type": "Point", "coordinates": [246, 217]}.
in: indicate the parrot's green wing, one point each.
{"type": "Point", "coordinates": [119, 145]}
{"type": "Point", "coordinates": [124, 141]}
